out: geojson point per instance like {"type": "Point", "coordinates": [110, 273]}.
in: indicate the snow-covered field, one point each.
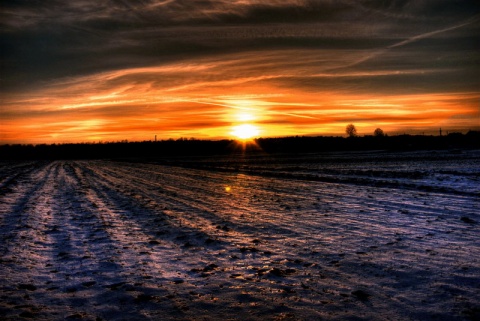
{"type": "Point", "coordinates": [340, 236]}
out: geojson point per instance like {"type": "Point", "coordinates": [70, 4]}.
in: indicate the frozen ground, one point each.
{"type": "Point", "coordinates": [354, 236]}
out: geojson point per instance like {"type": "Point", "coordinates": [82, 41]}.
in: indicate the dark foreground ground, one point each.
{"type": "Point", "coordinates": [362, 236]}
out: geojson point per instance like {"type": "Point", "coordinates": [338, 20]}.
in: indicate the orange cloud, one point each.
{"type": "Point", "coordinates": [207, 97]}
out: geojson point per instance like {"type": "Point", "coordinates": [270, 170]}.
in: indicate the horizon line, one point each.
{"type": "Point", "coordinates": [180, 139]}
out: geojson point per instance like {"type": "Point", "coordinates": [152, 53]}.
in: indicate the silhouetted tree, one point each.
{"type": "Point", "coordinates": [378, 132]}
{"type": "Point", "coordinates": [351, 130]}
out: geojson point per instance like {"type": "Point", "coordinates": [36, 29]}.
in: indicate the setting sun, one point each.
{"type": "Point", "coordinates": [245, 131]}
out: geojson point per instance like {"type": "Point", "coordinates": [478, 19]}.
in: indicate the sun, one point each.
{"type": "Point", "coordinates": [245, 131]}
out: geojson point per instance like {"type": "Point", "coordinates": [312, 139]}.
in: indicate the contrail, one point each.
{"type": "Point", "coordinates": [432, 33]}
{"type": "Point", "coordinates": [410, 40]}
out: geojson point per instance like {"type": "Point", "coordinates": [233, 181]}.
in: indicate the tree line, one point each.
{"type": "Point", "coordinates": [195, 147]}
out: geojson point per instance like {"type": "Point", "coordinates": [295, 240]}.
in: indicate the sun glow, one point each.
{"type": "Point", "coordinates": [245, 131]}
{"type": "Point", "coordinates": [244, 117]}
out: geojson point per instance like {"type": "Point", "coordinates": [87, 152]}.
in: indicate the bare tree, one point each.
{"type": "Point", "coordinates": [351, 130]}
{"type": "Point", "coordinates": [378, 132]}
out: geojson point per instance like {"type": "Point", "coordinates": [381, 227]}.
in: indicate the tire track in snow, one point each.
{"type": "Point", "coordinates": [66, 262]}
{"type": "Point", "coordinates": [109, 221]}
{"type": "Point", "coordinates": [209, 206]}
{"type": "Point", "coordinates": [152, 246]}
{"type": "Point", "coordinates": [132, 265]}
{"type": "Point", "coordinates": [11, 172]}
{"type": "Point", "coordinates": [16, 204]}
{"type": "Point", "coordinates": [400, 224]}
{"type": "Point", "coordinates": [239, 263]}
{"type": "Point", "coordinates": [176, 204]}
{"type": "Point", "coordinates": [365, 209]}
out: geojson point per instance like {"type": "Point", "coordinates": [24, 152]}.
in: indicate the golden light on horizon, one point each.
{"type": "Point", "coordinates": [245, 131]}
{"type": "Point", "coordinates": [114, 106]}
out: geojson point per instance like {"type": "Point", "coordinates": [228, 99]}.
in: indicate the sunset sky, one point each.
{"type": "Point", "coordinates": [89, 71]}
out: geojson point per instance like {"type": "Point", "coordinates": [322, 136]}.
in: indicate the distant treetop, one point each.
{"type": "Point", "coordinates": [351, 130]}
{"type": "Point", "coordinates": [378, 132]}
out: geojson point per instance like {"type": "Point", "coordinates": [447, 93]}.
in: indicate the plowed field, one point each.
{"type": "Point", "coordinates": [104, 240]}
